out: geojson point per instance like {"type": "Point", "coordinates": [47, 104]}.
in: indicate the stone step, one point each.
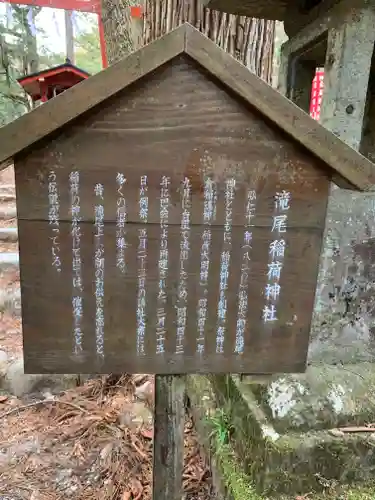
{"type": "Point", "coordinates": [7, 188]}
{"type": "Point", "coordinates": [296, 418]}
{"type": "Point", "coordinates": [10, 298]}
{"type": "Point", "coordinates": [7, 197]}
{"type": "Point", "coordinates": [9, 261]}
{"type": "Point", "coordinates": [8, 213]}
{"type": "Point", "coordinates": [8, 234]}
{"type": "Point", "coordinates": [10, 302]}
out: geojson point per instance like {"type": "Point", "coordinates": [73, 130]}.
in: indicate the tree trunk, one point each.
{"type": "Point", "coordinates": [251, 41]}
{"type": "Point", "coordinates": [123, 34]}
{"type": "Point", "coordinates": [69, 36]}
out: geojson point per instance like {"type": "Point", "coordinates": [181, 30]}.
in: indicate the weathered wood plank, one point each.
{"type": "Point", "coordinates": [169, 420]}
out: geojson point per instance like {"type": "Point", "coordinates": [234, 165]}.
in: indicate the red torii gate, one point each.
{"type": "Point", "coordinates": [93, 6]}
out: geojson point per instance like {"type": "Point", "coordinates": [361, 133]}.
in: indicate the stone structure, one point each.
{"type": "Point", "coordinates": [337, 388]}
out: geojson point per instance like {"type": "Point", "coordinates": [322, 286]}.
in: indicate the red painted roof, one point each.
{"type": "Point", "coordinates": [64, 76]}
{"type": "Point", "coordinates": [50, 72]}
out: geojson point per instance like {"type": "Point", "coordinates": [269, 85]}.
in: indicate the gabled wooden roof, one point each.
{"type": "Point", "coordinates": [350, 169]}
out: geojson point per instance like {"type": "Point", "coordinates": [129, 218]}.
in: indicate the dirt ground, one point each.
{"type": "Point", "coordinates": [88, 443]}
{"type": "Point", "coordinates": [10, 327]}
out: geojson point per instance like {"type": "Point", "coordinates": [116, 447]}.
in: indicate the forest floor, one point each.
{"type": "Point", "coordinates": [91, 442]}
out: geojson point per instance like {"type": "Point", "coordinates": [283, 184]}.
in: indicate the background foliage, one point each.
{"type": "Point", "coordinates": [24, 50]}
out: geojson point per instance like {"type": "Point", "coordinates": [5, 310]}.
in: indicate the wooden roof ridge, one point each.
{"type": "Point", "coordinates": [350, 168]}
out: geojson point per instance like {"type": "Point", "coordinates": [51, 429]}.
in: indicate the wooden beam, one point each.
{"type": "Point", "coordinates": [69, 35]}
{"type": "Point", "coordinates": [169, 421]}
{"type": "Point", "coordinates": [296, 19]}
{"type": "Point", "coordinates": [317, 27]}
{"type": "Point", "coordinates": [268, 9]}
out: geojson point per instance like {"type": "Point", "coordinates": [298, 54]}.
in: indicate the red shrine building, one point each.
{"type": "Point", "coordinates": [44, 85]}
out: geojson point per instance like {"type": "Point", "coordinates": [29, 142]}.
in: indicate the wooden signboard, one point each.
{"type": "Point", "coordinates": [171, 216]}
{"type": "Point", "coordinates": [171, 212]}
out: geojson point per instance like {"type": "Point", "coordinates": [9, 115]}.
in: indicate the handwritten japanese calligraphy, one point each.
{"type": "Point", "coordinates": [121, 216]}
{"type": "Point", "coordinates": [142, 258]}
{"type": "Point", "coordinates": [276, 253]}
{"type": "Point", "coordinates": [53, 217]}
{"type": "Point", "coordinates": [209, 211]}
{"type": "Point", "coordinates": [224, 265]}
{"type": "Point", "coordinates": [282, 201]}
{"type": "Point", "coordinates": [184, 256]}
{"type": "Point", "coordinates": [77, 285]}
{"type": "Point", "coordinates": [99, 271]}
{"type": "Point", "coordinates": [163, 263]}
{"type": "Point", "coordinates": [245, 267]}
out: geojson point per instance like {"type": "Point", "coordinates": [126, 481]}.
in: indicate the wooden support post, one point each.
{"type": "Point", "coordinates": [169, 422]}
{"type": "Point", "coordinates": [69, 35]}
{"type": "Point", "coordinates": [103, 50]}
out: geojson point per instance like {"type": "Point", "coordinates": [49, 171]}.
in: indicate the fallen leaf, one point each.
{"type": "Point", "coordinates": [145, 391]}
{"type": "Point", "coordinates": [78, 450]}
{"type": "Point", "coordinates": [106, 451]}
{"type": "Point", "coordinates": [139, 378]}
{"type": "Point", "coordinates": [147, 434]}
{"type": "Point", "coordinates": [137, 489]}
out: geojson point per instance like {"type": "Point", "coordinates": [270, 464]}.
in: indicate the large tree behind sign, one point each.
{"type": "Point", "coordinates": [251, 41]}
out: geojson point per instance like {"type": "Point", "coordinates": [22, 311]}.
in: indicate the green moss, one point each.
{"type": "Point", "coordinates": [216, 431]}
{"type": "Point", "coordinates": [254, 468]}
{"type": "Point", "coordinates": [255, 451]}
{"type": "Point", "coordinates": [293, 462]}
{"type": "Point", "coordinates": [337, 493]}
{"type": "Point", "coordinates": [235, 480]}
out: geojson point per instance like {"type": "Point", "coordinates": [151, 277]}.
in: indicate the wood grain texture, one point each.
{"type": "Point", "coordinates": [168, 456]}
{"type": "Point", "coordinates": [347, 168]}
{"type": "Point", "coordinates": [177, 122]}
